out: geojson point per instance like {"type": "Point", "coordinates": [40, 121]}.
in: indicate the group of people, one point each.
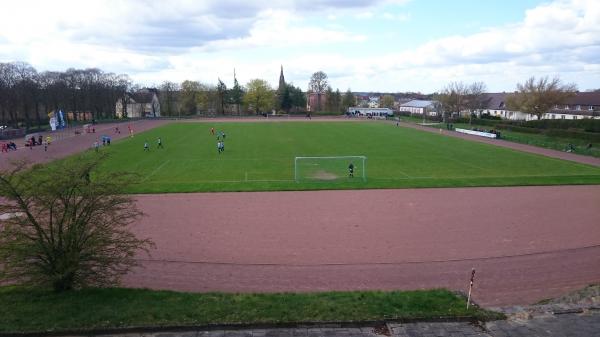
{"type": "Point", "coordinates": [159, 145]}
{"type": "Point", "coordinates": [10, 146]}
{"type": "Point", "coordinates": [31, 142]}
{"type": "Point", "coordinates": [220, 140]}
{"type": "Point", "coordinates": [105, 142]}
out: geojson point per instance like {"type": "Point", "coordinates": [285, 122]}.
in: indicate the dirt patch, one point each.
{"type": "Point", "coordinates": [324, 175]}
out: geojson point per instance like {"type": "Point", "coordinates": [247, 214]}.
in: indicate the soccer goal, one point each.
{"type": "Point", "coordinates": [330, 168]}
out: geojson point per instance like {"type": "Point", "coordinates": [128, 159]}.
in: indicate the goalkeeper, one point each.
{"type": "Point", "coordinates": [351, 170]}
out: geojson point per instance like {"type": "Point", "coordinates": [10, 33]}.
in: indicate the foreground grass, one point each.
{"type": "Point", "coordinates": [260, 157]}
{"type": "Point", "coordinates": [32, 310]}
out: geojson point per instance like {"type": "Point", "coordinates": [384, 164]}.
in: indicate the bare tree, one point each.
{"type": "Point", "coordinates": [457, 97]}
{"type": "Point", "coordinates": [168, 99]}
{"type": "Point", "coordinates": [26, 95]}
{"type": "Point", "coordinates": [387, 101]}
{"type": "Point", "coordinates": [66, 225]}
{"type": "Point", "coordinates": [537, 97]}
{"type": "Point", "coordinates": [318, 84]}
{"type": "Point", "coordinates": [475, 98]}
{"type": "Point", "coordinates": [452, 98]}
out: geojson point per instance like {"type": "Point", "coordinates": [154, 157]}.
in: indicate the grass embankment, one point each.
{"type": "Point", "coordinates": [27, 310]}
{"type": "Point", "coordinates": [539, 140]}
{"type": "Point", "coordinates": [260, 157]}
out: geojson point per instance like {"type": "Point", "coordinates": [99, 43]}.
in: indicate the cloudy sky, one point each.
{"type": "Point", "coordinates": [365, 45]}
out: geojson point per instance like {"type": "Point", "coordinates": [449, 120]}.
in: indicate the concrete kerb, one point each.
{"type": "Point", "coordinates": [245, 326]}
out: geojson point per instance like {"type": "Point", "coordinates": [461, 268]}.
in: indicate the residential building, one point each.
{"type": "Point", "coordinates": [581, 105]}
{"type": "Point", "coordinates": [143, 103]}
{"type": "Point", "coordinates": [312, 101]}
{"type": "Point", "coordinates": [373, 101]}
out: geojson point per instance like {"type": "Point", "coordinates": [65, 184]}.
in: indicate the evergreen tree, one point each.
{"type": "Point", "coordinates": [236, 94]}
{"type": "Point", "coordinates": [348, 100]}
{"type": "Point", "coordinates": [337, 101]}
{"type": "Point", "coordinates": [285, 100]}
{"type": "Point", "coordinates": [222, 93]}
{"type": "Point", "coordinates": [297, 97]}
{"type": "Point", "coordinates": [329, 100]}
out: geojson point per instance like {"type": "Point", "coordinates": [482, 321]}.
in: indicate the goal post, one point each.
{"type": "Point", "coordinates": [334, 168]}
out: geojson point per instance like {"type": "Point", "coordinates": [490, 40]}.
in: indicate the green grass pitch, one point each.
{"type": "Point", "coordinates": [260, 156]}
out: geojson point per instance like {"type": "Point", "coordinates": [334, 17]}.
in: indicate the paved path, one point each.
{"type": "Point", "coordinates": [583, 325]}
{"type": "Point", "coordinates": [527, 243]}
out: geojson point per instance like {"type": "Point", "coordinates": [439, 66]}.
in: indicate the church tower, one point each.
{"type": "Point", "coordinates": [281, 91]}
{"type": "Point", "coordinates": [281, 81]}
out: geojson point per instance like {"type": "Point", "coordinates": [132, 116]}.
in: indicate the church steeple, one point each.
{"type": "Point", "coordinates": [281, 80]}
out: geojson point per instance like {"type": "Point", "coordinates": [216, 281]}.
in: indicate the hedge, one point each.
{"type": "Point", "coordinates": [592, 137]}
{"type": "Point", "coordinates": [516, 128]}
{"type": "Point", "coordinates": [486, 122]}
{"type": "Point", "coordinates": [589, 125]}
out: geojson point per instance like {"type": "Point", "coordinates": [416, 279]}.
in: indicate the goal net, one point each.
{"type": "Point", "coordinates": [343, 168]}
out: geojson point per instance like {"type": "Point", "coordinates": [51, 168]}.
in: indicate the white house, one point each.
{"type": "Point", "coordinates": [373, 101]}
{"type": "Point", "coordinates": [419, 107]}
{"type": "Point", "coordinates": [370, 112]}
{"type": "Point", "coordinates": [144, 103]}
{"type": "Point", "coordinates": [582, 105]}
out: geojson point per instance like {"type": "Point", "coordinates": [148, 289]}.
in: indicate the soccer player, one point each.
{"type": "Point", "coordinates": [146, 146]}
{"type": "Point", "coordinates": [212, 131]}
{"type": "Point", "coordinates": [351, 170]}
{"type": "Point", "coordinates": [219, 147]}
{"type": "Point", "coordinates": [160, 146]}
{"type": "Point", "coordinates": [130, 130]}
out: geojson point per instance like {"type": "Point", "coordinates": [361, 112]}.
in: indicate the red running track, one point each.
{"type": "Point", "coordinates": [69, 143]}
{"type": "Point", "coordinates": [527, 243]}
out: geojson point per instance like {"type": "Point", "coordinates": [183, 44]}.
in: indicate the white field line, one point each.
{"type": "Point", "coordinates": [404, 174]}
{"type": "Point", "coordinates": [156, 170]}
{"type": "Point", "coordinates": [373, 179]}
{"type": "Point", "coordinates": [467, 164]}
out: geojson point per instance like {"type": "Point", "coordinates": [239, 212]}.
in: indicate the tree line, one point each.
{"type": "Point", "coordinates": [27, 96]}
{"type": "Point", "coordinates": [257, 96]}
{"type": "Point", "coordinates": [534, 96]}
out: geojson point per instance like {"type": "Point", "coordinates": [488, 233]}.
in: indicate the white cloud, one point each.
{"type": "Point", "coordinates": [500, 56]}
{"type": "Point", "coordinates": [155, 41]}
{"type": "Point", "coordinates": [280, 29]}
